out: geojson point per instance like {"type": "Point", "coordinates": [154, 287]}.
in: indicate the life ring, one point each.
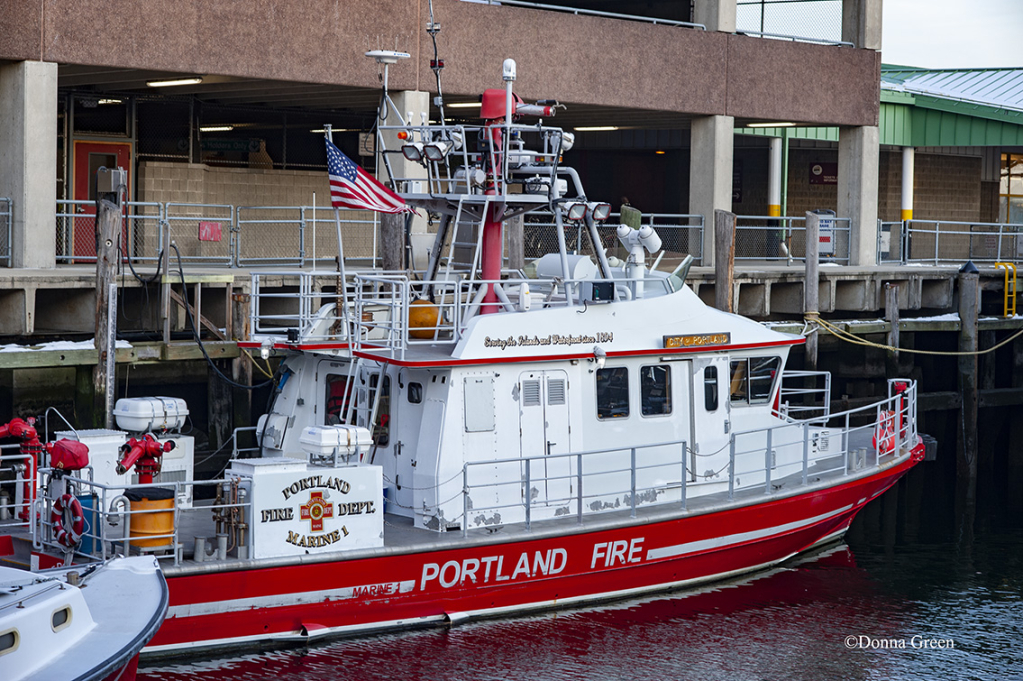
{"type": "Point", "coordinates": [884, 433]}
{"type": "Point", "coordinates": [68, 521]}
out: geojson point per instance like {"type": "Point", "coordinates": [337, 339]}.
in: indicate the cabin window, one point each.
{"type": "Point", "coordinates": [415, 393]}
{"type": "Point", "coordinates": [612, 393]}
{"type": "Point", "coordinates": [752, 380]}
{"type": "Point", "coordinates": [655, 390]}
{"type": "Point", "coordinates": [710, 388]}
{"type": "Point", "coordinates": [338, 394]}
{"type": "Point", "coordinates": [61, 618]}
{"type": "Point", "coordinates": [9, 641]}
{"type": "Point", "coordinates": [382, 425]}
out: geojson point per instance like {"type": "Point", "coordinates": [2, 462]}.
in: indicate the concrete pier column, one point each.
{"type": "Point", "coordinates": [28, 159]}
{"type": "Point", "coordinates": [414, 104]}
{"type": "Point", "coordinates": [710, 173]}
{"type": "Point", "coordinates": [716, 15]}
{"type": "Point", "coordinates": [858, 156]}
{"type": "Point", "coordinates": [861, 23]}
{"type": "Point", "coordinates": [908, 158]}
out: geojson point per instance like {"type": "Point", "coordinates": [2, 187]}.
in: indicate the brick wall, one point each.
{"type": "Point", "coordinates": [889, 187]}
{"type": "Point", "coordinates": [803, 196]}
{"type": "Point", "coordinates": [194, 183]}
{"type": "Point", "coordinates": [946, 187]}
{"type": "Point", "coordinates": [198, 183]}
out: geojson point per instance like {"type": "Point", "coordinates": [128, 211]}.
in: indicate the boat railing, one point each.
{"type": "Point", "coordinates": [805, 394]}
{"type": "Point", "coordinates": [552, 486]}
{"type": "Point", "coordinates": [456, 159]}
{"type": "Point", "coordinates": [112, 526]}
{"type": "Point", "coordinates": [298, 306]}
{"type": "Point", "coordinates": [385, 319]}
{"type": "Point", "coordinates": [17, 486]}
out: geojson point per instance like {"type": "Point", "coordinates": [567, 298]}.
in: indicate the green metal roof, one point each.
{"type": "Point", "coordinates": [938, 108]}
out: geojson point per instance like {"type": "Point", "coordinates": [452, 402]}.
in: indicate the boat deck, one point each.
{"type": "Point", "coordinates": [400, 536]}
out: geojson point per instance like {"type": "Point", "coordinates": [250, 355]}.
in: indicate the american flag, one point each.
{"type": "Point", "coordinates": [353, 187]}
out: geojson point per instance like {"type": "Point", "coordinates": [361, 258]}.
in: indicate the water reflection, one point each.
{"type": "Point", "coordinates": [902, 575]}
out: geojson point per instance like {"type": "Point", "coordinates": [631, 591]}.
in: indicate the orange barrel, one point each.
{"type": "Point", "coordinates": [423, 319]}
{"type": "Point", "coordinates": [152, 513]}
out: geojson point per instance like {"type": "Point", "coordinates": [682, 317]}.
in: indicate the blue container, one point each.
{"type": "Point", "coordinates": [88, 502]}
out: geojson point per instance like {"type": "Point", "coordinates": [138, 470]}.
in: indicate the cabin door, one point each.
{"type": "Point", "coordinates": [711, 412]}
{"type": "Point", "coordinates": [544, 433]}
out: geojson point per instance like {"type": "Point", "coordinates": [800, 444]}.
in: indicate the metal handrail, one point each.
{"type": "Point", "coordinates": [107, 517]}
{"type": "Point", "coordinates": [796, 38]}
{"type": "Point", "coordinates": [787, 226]}
{"type": "Point", "coordinates": [948, 243]}
{"type": "Point", "coordinates": [597, 13]}
{"type": "Point", "coordinates": [895, 413]}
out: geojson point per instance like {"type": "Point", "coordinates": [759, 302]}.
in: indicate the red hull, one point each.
{"type": "Point", "coordinates": [238, 607]}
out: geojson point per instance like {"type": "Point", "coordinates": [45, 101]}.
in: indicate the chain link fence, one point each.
{"type": "Point", "coordinates": [807, 20]}
{"type": "Point", "coordinates": [783, 239]}
{"type": "Point", "coordinates": [76, 231]}
{"type": "Point", "coordinates": [202, 232]}
{"type": "Point", "coordinates": [282, 235]}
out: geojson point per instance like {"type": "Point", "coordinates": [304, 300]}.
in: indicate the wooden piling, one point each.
{"type": "Point", "coordinates": [811, 285]}
{"type": "Point", "coordinates": [108, 227]}
{"type": "Point", "coordinates": [966, 442]}
{"type": "Point", "coordinates": [392, 241]}
{"type": "Point", "coordinates": [724, 259]}
{"type": "Point", "coordinates": [241, 368]}
{"type": "Point", "coordinates": [891, 313]}
{"type": "Point", "coordinates": [516, 243]}
{"type": "Point", "coordinates": [1014, 453]}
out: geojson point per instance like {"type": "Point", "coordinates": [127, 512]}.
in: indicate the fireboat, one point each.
{"type": "Point", "coordinates": [472, 441]}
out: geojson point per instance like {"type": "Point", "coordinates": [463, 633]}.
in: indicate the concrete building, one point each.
{"type": "Point", "coordinates": [254, 81]}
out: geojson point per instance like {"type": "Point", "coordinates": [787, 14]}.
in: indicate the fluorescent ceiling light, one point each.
{"type": "Point", "coordinates": [323, 130]}
{"type": "Point", "coordinates": [172, 83]}
{"type": "Point", "coordinates": [464, 105]}
{"type": "Point", "coordinates": [597, 128]}
{"type": "Point", "coordinates": [770, 125]}
{"type": "Point", "coordinates": [216, 128]}
{"type": "Point", "coordinates": [110, 101]}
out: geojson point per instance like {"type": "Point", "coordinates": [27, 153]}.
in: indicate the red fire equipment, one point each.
{"type": "Point", "coordinates": [31, 448]}
{"type": "Point", "coordinates": [145, 455]}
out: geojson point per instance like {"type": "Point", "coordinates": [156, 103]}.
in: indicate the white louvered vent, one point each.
{"type": "Point", "coordinates": [531, 393]}
{"type": "Point", "coordinates": [556, 391]}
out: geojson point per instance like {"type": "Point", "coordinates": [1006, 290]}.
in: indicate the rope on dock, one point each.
{"type": "Point", "coordinates": [812, 318]}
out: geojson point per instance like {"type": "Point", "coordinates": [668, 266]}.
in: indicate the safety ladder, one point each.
{"type": "Point", "coordinates": [1009, 308]}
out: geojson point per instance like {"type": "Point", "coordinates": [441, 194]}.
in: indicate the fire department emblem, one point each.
{"type": "Point", "coordinates": [315, 510]}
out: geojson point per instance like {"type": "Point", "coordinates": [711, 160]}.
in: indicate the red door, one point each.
{"type": "Point", "coordinates": [88, 158]}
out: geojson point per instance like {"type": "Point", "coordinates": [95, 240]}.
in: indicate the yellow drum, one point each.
{"type": "Point", "coordinates": [423, 319]}
{"type": "Point", "coordinates": [152, 514]}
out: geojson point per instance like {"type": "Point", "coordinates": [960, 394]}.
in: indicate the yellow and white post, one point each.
{"type": "Point", "coordinates": [774, 179]}
{"type": "Point", "coordinates": [908, 157]}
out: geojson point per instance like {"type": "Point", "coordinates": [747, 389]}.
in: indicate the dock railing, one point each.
{"type": "Point", "coordinates": [550, 486]}
{"type": "Point", "coordinates": [782, 240]}
{"type": "Point", "coordinates": [952, 242]}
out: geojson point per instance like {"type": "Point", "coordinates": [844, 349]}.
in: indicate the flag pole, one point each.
{"type": "Point", "coordinates": [343, 284]}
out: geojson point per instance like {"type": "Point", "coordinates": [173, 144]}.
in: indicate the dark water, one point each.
{"type": "Point", "coordinates": [903, 599]}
